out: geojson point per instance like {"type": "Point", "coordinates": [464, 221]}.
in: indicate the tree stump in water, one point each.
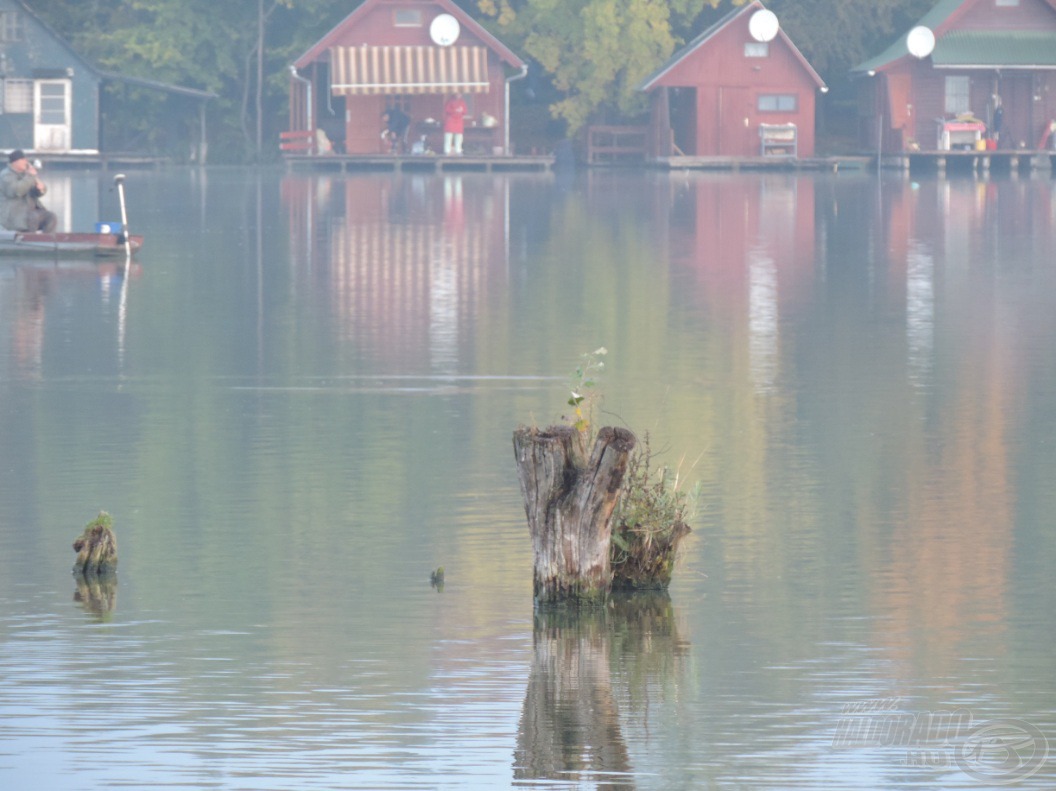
{"type": "Point", "coordinates": [569, 499]}
{"type": "Point", "coordinates": [96, 548]}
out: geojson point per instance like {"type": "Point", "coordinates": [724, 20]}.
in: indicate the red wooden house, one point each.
{"type": "Point", "coordinates": [413, 54]}
{"type": "Point", "coordinates": [741, 88]}
{"type": "Point", "coordinates": [979, 69]}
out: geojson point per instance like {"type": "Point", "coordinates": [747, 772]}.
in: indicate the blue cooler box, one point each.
{"type": "Point", "coordinates": [108, 227]}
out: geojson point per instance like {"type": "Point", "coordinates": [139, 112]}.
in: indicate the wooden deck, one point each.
{"type": "Point", "coordinates": [1013, 162]}
{"type": "Point", "coordinates": [427, 163]}
{"type": "Point", "coordinates": [783, 163]}
{"type": "Point", "coordinates": [94, 160]}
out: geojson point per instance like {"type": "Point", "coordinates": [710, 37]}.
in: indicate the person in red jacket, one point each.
{"type": "Point", "coordinates": [454, 125]}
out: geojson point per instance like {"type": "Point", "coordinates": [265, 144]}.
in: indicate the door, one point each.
{"type": "Point", "coordinates": [732, 119]}
{"type": "Point", "coordinates": [51, 114]}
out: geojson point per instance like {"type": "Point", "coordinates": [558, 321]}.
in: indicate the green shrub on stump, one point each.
{"type": "Point", "coordinates": [648, 525]}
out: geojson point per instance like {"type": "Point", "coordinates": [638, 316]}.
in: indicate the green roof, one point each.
{"type": "Point", "coordinates": [991, 49]}
{"type": "Point", "coordinates": [996, 49]}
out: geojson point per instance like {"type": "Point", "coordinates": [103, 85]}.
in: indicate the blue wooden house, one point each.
{"type": "Point", "coordinates": [49, 95]}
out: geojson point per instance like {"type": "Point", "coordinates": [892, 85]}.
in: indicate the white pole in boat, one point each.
{"type": "Point", "coordinates": [119, 180]}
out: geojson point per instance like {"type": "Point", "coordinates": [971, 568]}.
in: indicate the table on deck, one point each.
{"type": "Point", "coordinates": [960, 133]}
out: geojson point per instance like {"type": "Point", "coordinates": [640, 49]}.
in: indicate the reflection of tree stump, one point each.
{"type": "Point", "coordinates": [585, 660]}
{"type": "Point", "coordinates": [570, 725]}
{"type": "Point", "coordinates": [96, 548]}
{"type": "Point", "coordinates": [97, 595]}
{"type": "Point", "coordinates": [569, 500]}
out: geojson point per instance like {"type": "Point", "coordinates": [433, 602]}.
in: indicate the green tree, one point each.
{"type": "Point", "coordinates": [238, 49]}
{"type": "Point", "coordinates": [596, 52]}
{"type": "Point", "coordinates": [836, 36]}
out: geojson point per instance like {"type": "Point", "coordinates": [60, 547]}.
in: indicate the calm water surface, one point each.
{"type": "Point", "coordinates": [301, 401]}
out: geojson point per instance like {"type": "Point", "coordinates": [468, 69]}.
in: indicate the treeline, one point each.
{"type": "Point", "coordinates": [586, 56]}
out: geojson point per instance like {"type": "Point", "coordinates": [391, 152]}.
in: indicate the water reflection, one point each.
{"type": "Point", "coordinates": [409, 267]}
{"type": "Point", "coordinates": [314, 393]}
{"type": "Point", "coordinates": [96, 595]}
{"type": "Point", "coordinates": [584, 661]}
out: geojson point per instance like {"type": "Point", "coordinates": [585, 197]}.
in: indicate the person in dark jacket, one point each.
{"type": "Point", "coordinates": [20, 192]}
{"type": "Point", "coordinates": [397, 122]}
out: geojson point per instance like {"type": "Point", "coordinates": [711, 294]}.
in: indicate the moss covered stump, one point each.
{"type": "Point", "coordinates": [96, 548]}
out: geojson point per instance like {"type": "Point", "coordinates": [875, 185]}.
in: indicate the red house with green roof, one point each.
{"type": "Point", "coordinates": [985, 71]}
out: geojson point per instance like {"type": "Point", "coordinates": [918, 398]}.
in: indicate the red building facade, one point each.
{"type": "Point", "coordinates": [988, 72]}
{"type": "Point", "coordinates": [724, 92]}
{"type": "Point", "coordinates": [412, 54]}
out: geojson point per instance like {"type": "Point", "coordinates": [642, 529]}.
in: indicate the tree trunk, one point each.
{"type": "Point", "coordinates": [569, 500]}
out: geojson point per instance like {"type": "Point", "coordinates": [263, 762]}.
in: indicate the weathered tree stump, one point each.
{"type": "Point", "coordinates": [96, 548]}
{"type": "Point", "coordinates": [569, 500]}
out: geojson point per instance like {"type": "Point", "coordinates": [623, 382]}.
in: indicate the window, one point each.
{"type": "Point", "coordinates": [10, 26]}
{"type": "Point", "coordinates": [1006, 3]}
{"type": "Point", "coordinates": [957, 93]}
{"type": "Point", "coordinates": [777, 103]}
{"type": "Point", "coordinates": [756, 49]}
{"type": "Point", "coordinates": [18, 96]}
{"type": "Point", "coordinates": [53, 103]}
{"type": "Point", "coordinates": [407, 17]}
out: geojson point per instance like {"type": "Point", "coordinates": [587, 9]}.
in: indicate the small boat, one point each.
{"type": "Point", "coordinates": [59, 244]}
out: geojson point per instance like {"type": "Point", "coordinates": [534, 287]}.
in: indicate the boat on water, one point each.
{"type": "Point", "coordinates": [60, 244]}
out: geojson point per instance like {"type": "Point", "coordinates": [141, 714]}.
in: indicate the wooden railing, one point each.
{"type": "Point", "coordinates": [301, 141]}
{"type": "Point", "coordinates": [616, 144]}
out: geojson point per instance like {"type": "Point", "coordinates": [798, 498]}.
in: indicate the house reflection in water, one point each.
{"type": "Point", "coordinates": [750, 246]}
{"type": "Point", "coordinates": [406, 263]}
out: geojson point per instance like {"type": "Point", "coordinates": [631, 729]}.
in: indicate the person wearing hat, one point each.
{"type": "Point", "coordinates": [20, 193]}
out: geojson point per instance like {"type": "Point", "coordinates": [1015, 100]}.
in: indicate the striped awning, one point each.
{"type": "Point", "coordinates": [389, 70]}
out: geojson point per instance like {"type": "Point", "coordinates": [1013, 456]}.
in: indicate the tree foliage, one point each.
{"type": "Point", "coordinates": [596, 52]}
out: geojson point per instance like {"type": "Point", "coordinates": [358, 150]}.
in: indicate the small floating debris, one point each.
{"type": "Point", "coordinates": [436, 578]}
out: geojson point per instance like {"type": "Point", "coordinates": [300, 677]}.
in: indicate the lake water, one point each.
{"type": "Point", "coordinates": [301, 401]}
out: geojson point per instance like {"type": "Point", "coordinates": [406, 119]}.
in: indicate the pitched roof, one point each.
{"type": "Point", "coordinates": [955, 48]}
{"type": "Point", "coordinates": [449, 7]}
{"type": "Point", "coordinates": [991, 49]}
{"type": "Point", "coordinates": [111, 75]}
{"type": "Point", "coordinates": [650, 81]}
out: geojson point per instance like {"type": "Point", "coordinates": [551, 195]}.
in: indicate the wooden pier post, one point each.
{"type": "Point", "coordinates": [96, 548]}
{"type": "Point", "coordinates": [569, 499]}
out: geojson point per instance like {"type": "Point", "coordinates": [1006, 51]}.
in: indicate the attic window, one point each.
{"type": "Point", "coordinates": [407, 17]}
{"type": "Point", "coordinates": [756, 49]}
{"type": "Point", "coordinates": [1007, 3]}
{"type": "Point", "coordinates": [10, 26]}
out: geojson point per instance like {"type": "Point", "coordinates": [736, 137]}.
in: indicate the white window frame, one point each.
{"type": "Point", "coordinates": [11, 26]}
{"type": "Point", "coordinates": [18, 96]}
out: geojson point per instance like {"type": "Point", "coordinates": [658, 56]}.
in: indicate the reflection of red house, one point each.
{"type": "Point", "coordinates": [986, 54]}
{"type": "Point", "coordinates": [726, 91]}
{"type": "Point", "coordinates": [396, 52]}
{"type": "Point", "coordinates": [404, 266]}
{"type": "Point", "coordinates": [751, 246]}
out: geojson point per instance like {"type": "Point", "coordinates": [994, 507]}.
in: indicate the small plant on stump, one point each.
{"type": "Point", "coordinates": [649, 524]}
{"type": "Point", "coordinates": [582, 395]}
